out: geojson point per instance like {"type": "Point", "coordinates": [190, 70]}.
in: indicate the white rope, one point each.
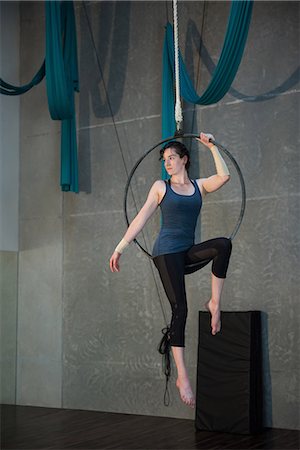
{"type": "Point", "coordinates": [178, 109]}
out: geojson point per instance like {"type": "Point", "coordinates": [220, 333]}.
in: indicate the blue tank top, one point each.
{"type": "Point", "coordinates": [179, 218]}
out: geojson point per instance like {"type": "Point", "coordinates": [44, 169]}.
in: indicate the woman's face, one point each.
{"type": "Point", "coordinates": [173, 163]}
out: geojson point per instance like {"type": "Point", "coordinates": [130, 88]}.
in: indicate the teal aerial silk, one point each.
{"type": "Point", "coordinates": [61, 69]}
{"type": "Point", "coordinates": [62, 81]}
{"type": "Point", "coordinates": [10, 89]}
{"type": "Point", "coordinates": [223, 76]}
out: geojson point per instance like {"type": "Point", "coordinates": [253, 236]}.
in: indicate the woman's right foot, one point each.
{"type": "Point", "coordinates": [186, 392]}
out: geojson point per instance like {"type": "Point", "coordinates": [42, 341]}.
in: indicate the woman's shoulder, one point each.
{"type": "Point", "coordinates": [159, 187]}
{"type": "Point", "coordinates": [159, 184]}
{"type": "Point", "coordinates": [199, 182]}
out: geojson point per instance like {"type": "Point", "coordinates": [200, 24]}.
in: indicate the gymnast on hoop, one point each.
{"type": "Point", "coordinates": [174, 251]}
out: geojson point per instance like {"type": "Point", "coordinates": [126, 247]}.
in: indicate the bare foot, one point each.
{"type": "Point", "coordinates": [215, 312]}
{"type": "Point", "coordinates": [186, 392]}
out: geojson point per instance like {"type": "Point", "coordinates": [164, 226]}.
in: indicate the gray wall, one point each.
{"type": "Point", "coordinates": [93, 334]}
{"type": "Point", "coordinates": [9, 197]}
{"type": "Point", "coordinates": [9, 127]}
{"type": "Point", "coordinates": [40, 300]}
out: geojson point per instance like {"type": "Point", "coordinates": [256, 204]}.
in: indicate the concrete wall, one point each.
{"type": "Point", "coordinates": [9, 127]}
{"type": "Point", "coordinates": [93, 334]}
{"type": "Point", "coordinates": [9, 197]}
{"type": "Point", "coordinates": [40, 315]}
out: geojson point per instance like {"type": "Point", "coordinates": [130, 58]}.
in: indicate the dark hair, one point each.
{"type": "Point", "coordinates": [180, 149]}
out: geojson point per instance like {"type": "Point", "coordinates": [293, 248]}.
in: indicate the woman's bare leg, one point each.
{"type": "Point", "coordinates": [214, 304]}
{"type": "Point", "coordinates": [183, 382]}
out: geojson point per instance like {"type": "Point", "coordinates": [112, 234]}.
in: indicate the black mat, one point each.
{"type": "Point", "coordinates": [229, 374]}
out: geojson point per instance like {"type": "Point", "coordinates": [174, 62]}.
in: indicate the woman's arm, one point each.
{"type": "Point", "coordinates": [144, 214]}
{"type": "Point", "coordinates": [215, 182]}
{"type": "Point", "coordinates": [137, 224]}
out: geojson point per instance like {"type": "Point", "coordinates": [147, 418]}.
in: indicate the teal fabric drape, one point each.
{"type": "Point", "coordinates": [62, 82]}
{"type": "Point", "coordinates": [223, 76]}
{"type": "Point", "coordinates": [230, 58]}
{"type": "Point", "coordinates": [10, 89]}
{"type": "Point", "coordinates": [61, 69]}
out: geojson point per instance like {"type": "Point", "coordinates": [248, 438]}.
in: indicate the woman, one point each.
{"type": "Point", "coordinates": [174, 252]}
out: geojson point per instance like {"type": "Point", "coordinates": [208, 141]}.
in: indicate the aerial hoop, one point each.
{"type": "Point", "coordinates": [185, 136]}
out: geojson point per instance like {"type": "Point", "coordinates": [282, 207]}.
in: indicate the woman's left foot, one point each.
{"type": "Point", "coordinates": [215, 312]}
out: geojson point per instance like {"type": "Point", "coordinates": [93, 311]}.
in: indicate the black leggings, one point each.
{"type": "Point", "coordinates": [173, 267]}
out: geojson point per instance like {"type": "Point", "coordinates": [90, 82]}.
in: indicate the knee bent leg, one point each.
{"type": "Point", "coordinates": [225, 245]}
{"type": "Point", "coordinates": [221, 261]}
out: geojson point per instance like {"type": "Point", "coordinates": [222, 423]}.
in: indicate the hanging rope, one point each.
{"type": "Point", "coordinates": [198, 64]}
{"type": "Point", "coordinates": [223, 76]}
{"type": "Point", "coordinates": [121, 151]}
{"type": "Point", "coordinates": [228, 64]}
{"type": "Point", "coordinates": [178, 108]}
{"type": "Point", "coordinates": [164, 349]}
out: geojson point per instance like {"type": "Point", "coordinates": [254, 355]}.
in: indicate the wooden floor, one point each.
{"type": "Point", "coordinates": [26, 427]}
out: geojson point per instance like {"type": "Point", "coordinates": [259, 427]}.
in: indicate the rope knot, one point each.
{"type": "Point", "coordinates": [164, 349]}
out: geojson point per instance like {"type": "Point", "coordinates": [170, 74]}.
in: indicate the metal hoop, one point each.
{"type": "Point", "coordinates": [194, 136]}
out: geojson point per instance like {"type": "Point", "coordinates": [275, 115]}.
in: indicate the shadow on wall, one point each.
{"type": "Point", "coordinates": [287, 84]}
{"type": "Point", "coordinates": [266, 373]}
{"type": "Point", "coordinates": [104, 31]}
